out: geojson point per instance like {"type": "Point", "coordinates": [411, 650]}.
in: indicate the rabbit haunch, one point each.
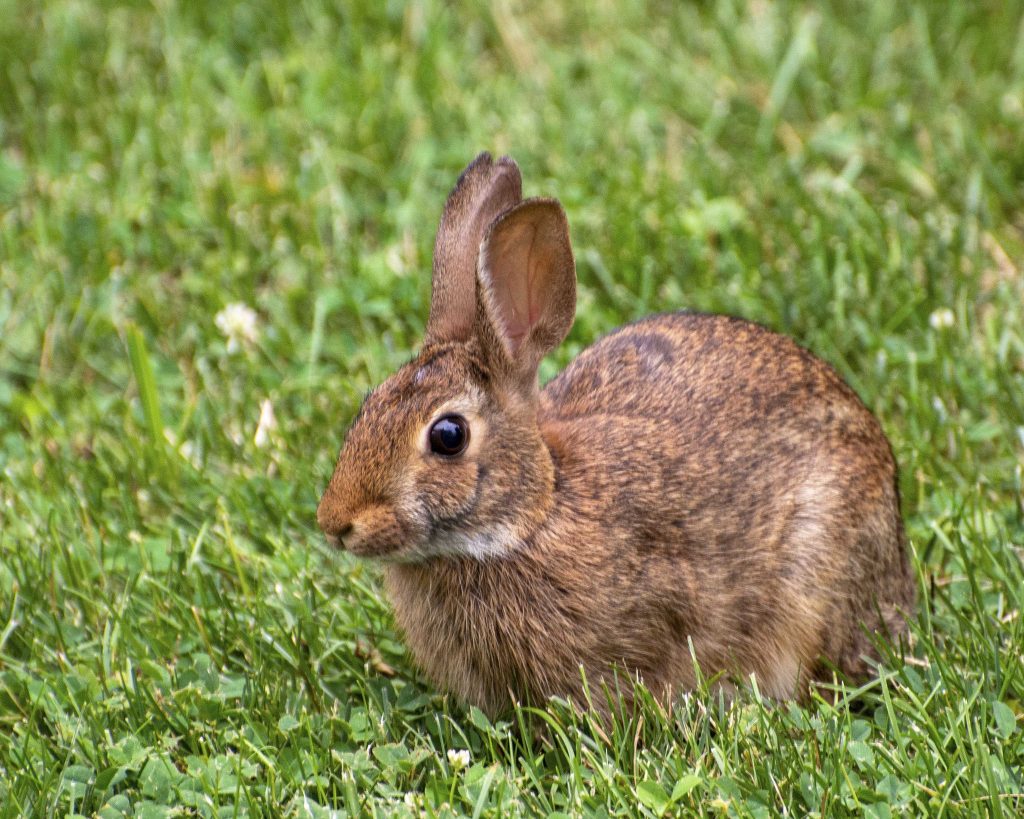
{"type": "Point", "coordinates": [687, 480]}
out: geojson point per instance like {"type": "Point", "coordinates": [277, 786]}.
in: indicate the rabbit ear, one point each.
{"type": "Point", "coordinates": [484, 190]}
{"type": "Point", "coordinates": [526, 284]}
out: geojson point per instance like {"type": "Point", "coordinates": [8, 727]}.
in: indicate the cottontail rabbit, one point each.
{"type": "Point", "coordinates": [688, 480]}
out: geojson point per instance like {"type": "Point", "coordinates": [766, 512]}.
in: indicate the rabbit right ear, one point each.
{"type": "Point", "coordinates": [526, 285]}
{"type": "Point", "coordinates": [484, 190]}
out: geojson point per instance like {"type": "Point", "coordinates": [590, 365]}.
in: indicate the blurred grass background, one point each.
{"type": "Point", "coordinates": [173, 634]}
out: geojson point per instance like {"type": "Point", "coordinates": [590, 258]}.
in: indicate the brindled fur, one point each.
{"type": "Point", "coordinates": [689, 480]}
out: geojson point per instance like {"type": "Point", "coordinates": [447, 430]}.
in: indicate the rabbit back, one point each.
{"type": "Point", "coordinates": [739, 473]}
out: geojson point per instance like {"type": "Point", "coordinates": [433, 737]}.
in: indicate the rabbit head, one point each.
{"type": "Point", "coordinates": [445, 457]}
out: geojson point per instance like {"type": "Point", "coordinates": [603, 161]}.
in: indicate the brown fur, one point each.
{"type": "Point", "coordinates": [688, 479]}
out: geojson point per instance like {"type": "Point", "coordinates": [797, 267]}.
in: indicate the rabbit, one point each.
{"type": "Point", "coordinates": [694, 495]}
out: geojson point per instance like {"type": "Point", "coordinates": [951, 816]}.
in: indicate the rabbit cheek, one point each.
{"type": "Point", "coordinates": [450, 493]}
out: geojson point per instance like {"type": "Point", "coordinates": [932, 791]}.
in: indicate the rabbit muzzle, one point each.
{"type": "Point", "coordinates": [374, 531]}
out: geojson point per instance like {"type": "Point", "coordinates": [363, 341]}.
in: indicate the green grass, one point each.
{"type": "Point", "coordinates": [175, 638]}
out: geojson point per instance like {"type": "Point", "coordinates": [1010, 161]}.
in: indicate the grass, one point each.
{"type": "Point", "coordinates": [175, 639]}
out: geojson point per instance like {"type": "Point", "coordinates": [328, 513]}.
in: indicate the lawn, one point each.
{"type": "Point", "coordinates": [175, 637]}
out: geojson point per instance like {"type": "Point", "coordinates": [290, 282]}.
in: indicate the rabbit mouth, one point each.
{"type": "Point", "coordinates": [376, 532]}
{"type": "Point", "coordinates": [386, 546]}
{"type": "Point", "coordinates": [374, 548]}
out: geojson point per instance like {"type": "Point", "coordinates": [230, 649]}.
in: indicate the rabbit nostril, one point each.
{"type": "Point", "coordinates": [336, 536]}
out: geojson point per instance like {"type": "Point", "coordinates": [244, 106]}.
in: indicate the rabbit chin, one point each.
{"type": "Point", "coordinates": [479, 544]}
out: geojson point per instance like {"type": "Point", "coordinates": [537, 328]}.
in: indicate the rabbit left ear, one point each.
{"type": "Point", "coordinates": [526, 285]}
{"type": "Point", "coordinates": [484, 190]}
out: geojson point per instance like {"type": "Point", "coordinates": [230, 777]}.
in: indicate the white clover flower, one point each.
{"type": "Point", "coordinates": [942, 319]}
{"type": "Point", "coordinates": [458, 759]}
{"type": "Point", "coordinates": [237, 322]}
{"type": "Point", "coordinates": [266, 425]}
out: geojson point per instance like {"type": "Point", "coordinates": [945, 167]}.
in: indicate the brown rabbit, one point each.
{"type": "Point", "coordinates": [688, 480]}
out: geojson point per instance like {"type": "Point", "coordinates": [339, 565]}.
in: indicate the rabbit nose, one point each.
{"type": "Point", "coordinates": [336, 534]}
{"type": "Point", "coordinates": [334, 522]}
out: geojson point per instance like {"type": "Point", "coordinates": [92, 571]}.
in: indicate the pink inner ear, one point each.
{"type": "Point", "coordinates": [521, 307]}
{"type": "Point", "coordinates": [527, 271]}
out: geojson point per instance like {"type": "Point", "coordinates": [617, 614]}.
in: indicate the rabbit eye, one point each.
{"type": "Point", "coordinates": [449, 436]}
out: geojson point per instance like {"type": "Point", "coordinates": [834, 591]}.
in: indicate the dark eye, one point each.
{"type": "Point", "coordinates": [449, 435]}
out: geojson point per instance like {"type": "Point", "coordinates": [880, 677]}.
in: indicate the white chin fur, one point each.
{"type": "Point", "coordinates": [480, 545]}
